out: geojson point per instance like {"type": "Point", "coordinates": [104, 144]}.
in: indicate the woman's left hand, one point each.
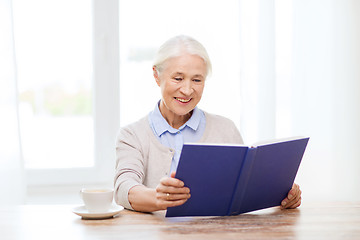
{"type": "Point", "coordinates": [293, 199]}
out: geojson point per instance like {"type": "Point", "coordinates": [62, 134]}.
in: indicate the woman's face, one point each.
{"type": "Point", "coordinates": [182, 83]}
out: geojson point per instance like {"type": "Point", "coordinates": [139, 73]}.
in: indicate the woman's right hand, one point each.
{"type": "Point", "coordinates": [171, 192]}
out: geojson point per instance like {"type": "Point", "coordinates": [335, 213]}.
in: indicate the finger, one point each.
{"type": "Point", "coordinates": [164, 200]}
{"type": "Point", "coordinates": [292, 196]}
{"type": "Point", "coordinates": [297, 204]}
{"type": "Point", "coordinates": [294, 191]}
{"type": "Point", "coordinates": [173, 174]}
{"type": "Point", "coordinates": [165, 204]}
{"type": "Point", "coordinates": [167, 181]}
{"type": "Point", "coordinates": [173, 190]}
{"type": "Point", "coordinates": [176, 203]}
{"type": "Point", "coordinates": [174, 196]}
{"type": "Point", "coordinates": [292, 203]}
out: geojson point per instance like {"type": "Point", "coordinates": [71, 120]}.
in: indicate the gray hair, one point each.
{"type": "Point", "coordinates": [177, 46]}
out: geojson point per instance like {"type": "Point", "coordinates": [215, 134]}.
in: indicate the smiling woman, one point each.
{"type": "Point", "coordinates": [149, 148]}
{"type": "Point", "coordinates": [182, 83]}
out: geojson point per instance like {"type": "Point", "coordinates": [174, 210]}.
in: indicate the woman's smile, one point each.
{"type": "Point", "coordinates": [183, 100]}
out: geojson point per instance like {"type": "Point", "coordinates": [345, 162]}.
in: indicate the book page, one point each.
{"type": "Point", "coordinates": [273, 141]}
{"type": "Point", "coordinates": [216, 144]}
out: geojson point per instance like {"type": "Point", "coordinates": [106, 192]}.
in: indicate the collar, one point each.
{"type": "Point", "coordinates": [161, 125]}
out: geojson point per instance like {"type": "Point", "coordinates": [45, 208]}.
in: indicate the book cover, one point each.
{"type": "Point", "coordinates": [233, 179]}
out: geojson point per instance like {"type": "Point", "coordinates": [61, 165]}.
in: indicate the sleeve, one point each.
{"type": "Point", "coordinates": [129, 165]}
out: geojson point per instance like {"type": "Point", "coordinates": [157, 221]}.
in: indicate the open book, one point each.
{"type": "Point", "coordinates": [234, 179]}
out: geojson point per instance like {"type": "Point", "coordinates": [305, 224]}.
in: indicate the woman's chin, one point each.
{"type": "Point", "coordinates": [183, 111]}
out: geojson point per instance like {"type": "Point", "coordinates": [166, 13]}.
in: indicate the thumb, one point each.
{"type": "Point", "coordinates": [172, 174]}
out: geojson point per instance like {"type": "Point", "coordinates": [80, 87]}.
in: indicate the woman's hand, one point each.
{"type": "Point", "coordinates": [171, 192]}
{"type": "Point", "coordinates": [293, 199]}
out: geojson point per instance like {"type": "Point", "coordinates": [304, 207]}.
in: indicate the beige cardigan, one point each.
{"type": "Point", "coordinates": [142, 160]}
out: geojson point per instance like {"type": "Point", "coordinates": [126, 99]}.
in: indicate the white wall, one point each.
{"type": "Point", "coordinates": [301, 76]}
{"type": "Point", "coordinates": [325, 96]}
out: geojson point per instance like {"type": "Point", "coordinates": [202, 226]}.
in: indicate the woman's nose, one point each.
{"type": "Point", "coordinates": [187, 88]}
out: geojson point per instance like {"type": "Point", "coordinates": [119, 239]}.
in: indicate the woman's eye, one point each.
{"type": "Point", "coordinates": [197, 80]}
{"type": "Point", "coordinates": [178, 79]}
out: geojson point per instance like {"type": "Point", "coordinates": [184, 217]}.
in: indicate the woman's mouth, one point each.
{"type": "Point", "coordinates": [183, 100]}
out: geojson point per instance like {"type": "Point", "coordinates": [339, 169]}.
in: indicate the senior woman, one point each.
{"type": "Point", "coordinates": [148, 150]}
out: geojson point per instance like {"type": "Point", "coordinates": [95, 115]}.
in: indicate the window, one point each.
{"type": "Point", "coordinates": [54, 61]}
{"type": "Point", "coordinates": [67, 129]}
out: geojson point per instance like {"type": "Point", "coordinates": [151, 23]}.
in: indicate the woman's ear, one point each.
{"type": "Point", "coordinates": [156, 75]}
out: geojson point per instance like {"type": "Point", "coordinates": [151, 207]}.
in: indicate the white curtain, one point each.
{"type": "Point", "coordinates": [11, 167]}
{"type": "Point", "coordinates": [301, 76]}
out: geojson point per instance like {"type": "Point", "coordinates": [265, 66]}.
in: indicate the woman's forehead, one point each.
{"type": "Point", "coordinates": [185, 62]}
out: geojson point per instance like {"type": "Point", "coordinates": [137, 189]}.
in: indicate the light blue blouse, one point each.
{"type": "Point", "coordinates": [173, 138]}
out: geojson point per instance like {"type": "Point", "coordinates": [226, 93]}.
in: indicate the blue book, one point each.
{"type": "Point", "coordinates": [233, 179]}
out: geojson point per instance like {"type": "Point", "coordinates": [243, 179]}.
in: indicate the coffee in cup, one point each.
{"type": "Point", "coordinates": [97, 200]}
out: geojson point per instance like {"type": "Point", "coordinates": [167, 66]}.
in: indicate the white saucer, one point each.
{"type": "Point", "coordinates": [85, 214]}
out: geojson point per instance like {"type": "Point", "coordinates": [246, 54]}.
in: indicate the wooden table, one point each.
{"type": "Point", "coordinates": [310, 221]}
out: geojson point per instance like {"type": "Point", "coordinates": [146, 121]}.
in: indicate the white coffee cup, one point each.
{"type": "Point", "coordinates": [97, 200]}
